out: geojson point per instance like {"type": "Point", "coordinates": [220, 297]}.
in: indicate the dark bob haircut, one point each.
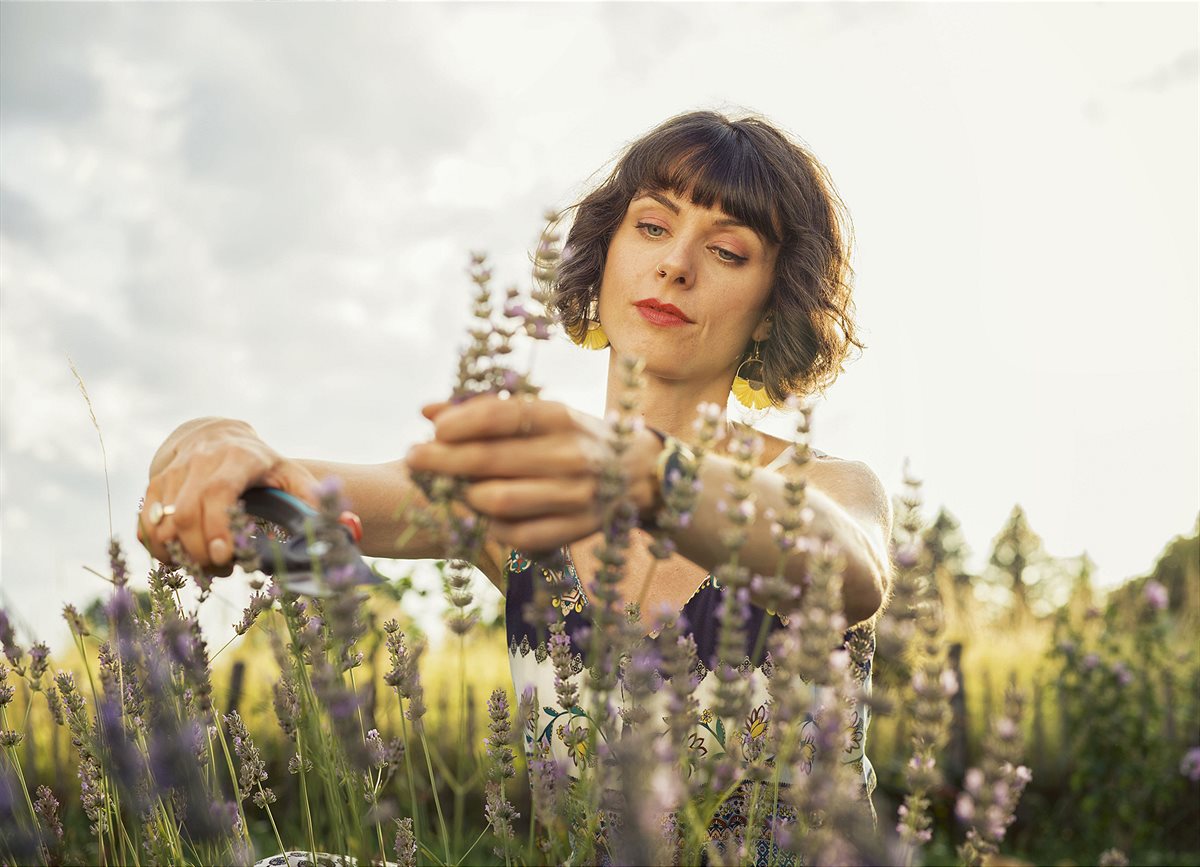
{"type": "Point", "coordinates": [758, 176]}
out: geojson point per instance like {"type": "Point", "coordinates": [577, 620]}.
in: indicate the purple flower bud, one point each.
{"type": "Point", "coordinates": [1156, 595]}
{"type": "Point", "coordinates": [330, 486]}
{"type": "Point", "coordinates": [1123, 675]}
{"type": "Point", "coordinates": [1090, 661]}
{"type": "Point", "coordinates": [1190, 766]}
{"type": "Point", "coordinates": [964, 807]}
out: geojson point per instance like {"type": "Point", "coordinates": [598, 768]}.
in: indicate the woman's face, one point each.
{"type": "Point", "coordinates": [685, 287]}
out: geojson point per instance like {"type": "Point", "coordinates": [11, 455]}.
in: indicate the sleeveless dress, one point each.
{"type": "Point", "coordinates": [531, 666]}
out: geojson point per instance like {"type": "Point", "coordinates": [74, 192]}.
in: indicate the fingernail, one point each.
{"type": "Point", "coordinates": [218, 551]}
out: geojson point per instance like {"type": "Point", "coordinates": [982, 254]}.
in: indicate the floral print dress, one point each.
{"type": "Point", "coordinates": [532, 667]}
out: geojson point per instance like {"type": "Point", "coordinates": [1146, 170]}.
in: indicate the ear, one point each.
{"type": "Point", "coordinates": [763, 330]}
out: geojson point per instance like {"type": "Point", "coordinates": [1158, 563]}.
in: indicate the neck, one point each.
{"type": "Point", "coordinates": [667, 405]}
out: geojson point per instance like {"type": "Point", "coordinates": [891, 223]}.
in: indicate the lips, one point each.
{"type": "Point", "coordinates": [661, 313]}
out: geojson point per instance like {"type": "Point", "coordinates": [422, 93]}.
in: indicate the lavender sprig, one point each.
{"type": "Point", "coordinates": [252, 772]}
{"type": "Point", "coordinates": [932, 683]}
{"type": "Point", "coordinates": [498, 810]}
{"type": "Point", "coordinates": [46, 807]}
{"type": "Point", "coordinates": [991, 792]}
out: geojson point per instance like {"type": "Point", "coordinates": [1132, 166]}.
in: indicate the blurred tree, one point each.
{"type": "Point", "coordinates": [1083, 596]}
{"type": "Point", "coordinates": [948, 553]}
{"type": "Point", "coordinates": [1029, 581]}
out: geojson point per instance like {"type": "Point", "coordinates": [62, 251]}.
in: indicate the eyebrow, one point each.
{"type": "Point", "coordinates": [673, 206]}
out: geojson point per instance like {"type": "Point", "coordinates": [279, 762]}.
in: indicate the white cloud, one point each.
{"type": "Point", "coordinates": [264, 212]}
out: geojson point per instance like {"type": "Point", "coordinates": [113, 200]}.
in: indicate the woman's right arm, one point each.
{"type": "Point", "coordinates": [205, 464]}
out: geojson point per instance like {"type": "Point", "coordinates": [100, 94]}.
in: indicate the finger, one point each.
{"type": "Point", "coordinates": [220, 571]}
{"type": "Point", "coordinates": [537, 457]}
{"type": "Point", "coordinates": [432, 410]}
{"type": "Point", "coordinates": [295, 480]}
{"type": "Point", "coordinates": [522, 499]}
{"type": "Point", "coordinates": [493, 417]}
{"type": "Point", "coordinates": [159, 492]}
{"type": "Point", "coordinates": [543, 534]}
{"type": "Point", "coordinates": [201, 518]}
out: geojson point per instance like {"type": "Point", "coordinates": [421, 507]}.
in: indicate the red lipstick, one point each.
{"type": "Point", "coordinates": [660, 313]}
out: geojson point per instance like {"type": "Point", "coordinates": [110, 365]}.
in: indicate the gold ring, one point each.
{"type": "Point", "coordinates": [158, 511]}
{"type": "Point", "coordinates": [525, 426]}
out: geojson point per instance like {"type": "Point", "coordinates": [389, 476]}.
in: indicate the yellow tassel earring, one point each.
{"type": "Point", "coordinates": [589, 333]}
{"type": "Point", "coordinates": [748, 383]}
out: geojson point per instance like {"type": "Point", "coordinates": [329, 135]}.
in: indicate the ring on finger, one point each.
{"type": "Point", "coordinates": [524, 417]}
{"type": "Point", "coordinates": [157, 511]}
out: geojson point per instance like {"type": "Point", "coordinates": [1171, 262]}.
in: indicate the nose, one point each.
{"type": "Point", "coordinates": [676, 267]}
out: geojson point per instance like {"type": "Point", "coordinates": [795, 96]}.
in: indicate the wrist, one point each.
{"type": "Point", "coordinates": [648, 496]}
{"type": "Point", "coordinates": [672, 497]}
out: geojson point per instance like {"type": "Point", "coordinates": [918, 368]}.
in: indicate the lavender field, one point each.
{"type": "Point", "coordinates": [1015, 716]}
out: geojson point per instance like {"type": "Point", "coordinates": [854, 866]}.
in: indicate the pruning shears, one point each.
{"type": "Point", "coordinates": [320, 557]}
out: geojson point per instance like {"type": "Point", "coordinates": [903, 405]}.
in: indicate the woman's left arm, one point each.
{"type": "Point", "coordinates": [849, 507]}
{"type": "Point", "coordinates": [535, 468]}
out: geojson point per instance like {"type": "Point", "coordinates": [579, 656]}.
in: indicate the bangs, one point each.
{"type": "Point", "coordinates": [714, 167]}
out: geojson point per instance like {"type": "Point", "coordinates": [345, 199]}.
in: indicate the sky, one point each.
{"type": "Point", "coordinates": [265, 211]}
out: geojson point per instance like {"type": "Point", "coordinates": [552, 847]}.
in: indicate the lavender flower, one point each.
{"type": "Point", "coordinates": [991, 792]}
{"type": "Point", "coordinates": [185, 646]}
{"type": "Point", "coordinates": [243, 528]}
{"type": "Point", "coordinates": [259, 602]}
{"type": "Point", "coordinates": [1156, 595]}
{"type": "Point", "coordinates": [1189, 766]}
{"type": "Point", "coordinates": [931, 684]}
{"type": "Point", "coordinates": [116, 562]}
{"type": "Point", "coordinates": [405, 672]}
{"type": "Point", "coordinates": [53, 703]}
{"type": "Point", "coordinates": [6, 692]}
{"type": "Point", "coordinates": [38, 662]}
{"type": "Point", "coordinates": [12, 650]}
{"type": "Point", "coordinates": [91, 795]}
{"type": "Point", "coordinates": [499, 747]}
{"type": "Point", "coordinates": [75, 621]}
{"type": "Point", "coordinates": [253, 770]}
{"type": "Point", "coordinates": [376, 749]}
{"type": "Point", "coordinates": [406, 844]}
{"type": "Point", "coordinates": [46, 806]}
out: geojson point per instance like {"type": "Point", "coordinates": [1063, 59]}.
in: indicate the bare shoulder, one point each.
{"type": "Point", "coordinates": [857, 489]}
{"type": "Point", "coordinates": [855, 477]}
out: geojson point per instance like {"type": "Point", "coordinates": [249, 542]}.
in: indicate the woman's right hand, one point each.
{"type": "Point", "coordinates": [201, 470]}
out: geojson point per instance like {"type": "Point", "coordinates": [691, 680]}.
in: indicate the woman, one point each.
{"type": "Point", "coordinates": [714, 248]}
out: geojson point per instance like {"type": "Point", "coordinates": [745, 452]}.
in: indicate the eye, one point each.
{"type": "Point", "coordinates": [727, 255]}
{"type": "Point", "coordinates": [652, 230]}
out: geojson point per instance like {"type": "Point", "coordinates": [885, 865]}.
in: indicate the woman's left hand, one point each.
{"type": "Point", "coordinates": [534, 466]}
